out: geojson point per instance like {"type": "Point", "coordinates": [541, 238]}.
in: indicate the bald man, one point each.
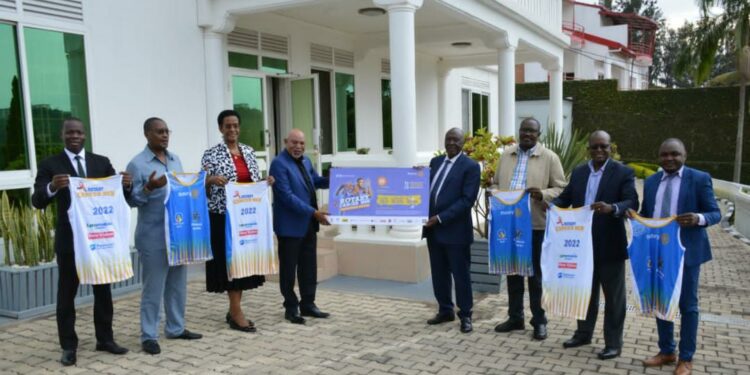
{"type": "Point", "coordinates": [608, 187]}
{"type": "Point", "coordinates": [690, 197]}
{"type": "Point", "coordinates": [296, 220]}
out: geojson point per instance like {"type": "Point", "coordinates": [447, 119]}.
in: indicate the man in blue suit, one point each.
{"type": "Point", "coordinates": [687, 194]}
{"type": "Point", "coordinates": [296, 220]}
{"type": "Point", "coordinates": [608, 187]}
{"type": "Point", "coordinates": [454, 184]}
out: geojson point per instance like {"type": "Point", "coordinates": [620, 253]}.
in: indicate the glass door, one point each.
{"type": "Point", "coordinates": [305, 115]}
{"type": "Point", "coordinates": [250, 100]}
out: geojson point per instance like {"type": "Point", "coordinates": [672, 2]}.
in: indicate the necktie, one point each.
{"type": "Point", "coordinates": [81, 172]}
{"type": "Point", "coordinates": [439, 179]}
{"type": "Point", "coordinates": [666, 199]}
{"type": "Point", "coordinates": [308, 183]}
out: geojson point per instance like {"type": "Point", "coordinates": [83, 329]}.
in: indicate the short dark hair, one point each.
{"type": "Point", "coordinates": [69, 119]}
{"type": "Point", "coordinates": [150, 122]}
{"type": "Point", "coordinates": [227, 113]}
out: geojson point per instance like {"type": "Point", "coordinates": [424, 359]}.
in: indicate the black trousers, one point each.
{"type": "Point", "coordinates": [450, 266]}
{"type": "Point", "coordinates": [67, 288]}
{"type": "Point", "coordinates": [611, 277]}
{"type": "Point", "coordinates": [298, 255]}
{"type": "Point", "coordinates": [516, 289]}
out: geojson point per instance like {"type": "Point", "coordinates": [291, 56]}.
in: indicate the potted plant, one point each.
{"type": "Point", "coordinates": [28, 276]}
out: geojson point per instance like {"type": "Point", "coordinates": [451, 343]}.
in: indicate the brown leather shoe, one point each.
{"type": "Point", "coordinates": [659, 360]}
{"type": "Point", "coordinates": [684, 368]}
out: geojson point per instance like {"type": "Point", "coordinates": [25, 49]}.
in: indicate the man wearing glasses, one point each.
{"type": "Point", "coordinates": [608, 187]}
{"type": "Point", "coordinates": [531, 167]}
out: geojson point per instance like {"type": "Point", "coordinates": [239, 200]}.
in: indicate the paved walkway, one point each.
{"type": "Point", "coordinates": [370, 334]}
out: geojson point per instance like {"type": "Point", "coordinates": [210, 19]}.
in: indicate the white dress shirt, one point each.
{"type": "Point", "coordinates": [74, 163]}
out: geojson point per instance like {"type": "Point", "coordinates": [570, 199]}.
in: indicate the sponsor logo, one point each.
{"type": "Point", "coordinates": [567, 265]}
{"type": "Point", "coordinates": [665, 239]}
{"type": "Point", "coordinates": [101, 235]}
{"type": "Point", "coordinates": [561, 225]}
{"type": "Point", "coordinates": [563, 275]}
{"type": "Point", "coordinates": [101, 246]}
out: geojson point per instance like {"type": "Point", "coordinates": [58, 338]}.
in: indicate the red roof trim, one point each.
{"type": "Point", "coordinates": [611, 14]}
{"type": "Point", "coordinates": [607, 42]}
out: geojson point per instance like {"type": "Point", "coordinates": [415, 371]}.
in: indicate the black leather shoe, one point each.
{"type": "Point", "coordinates": [151, 347]}
{"type": "Point", "coordinates": [466, 326]}
{"type": "Point", "coordinates": [576, 342]}
{"type": "Point", "coordinates": [187, 335]}
{"type": "Point", "coordinates": [441, 318]}
{"type": "Point", "coordinates": [608, 353]}
{"type": "Point", "coordinates": [250, 327]}
{"type": "Point", "coordinates": [540, 332]}
{"type": "Point", "coordinates": [110, 347]}
{"type": "Point", "coordinates": [314, 312]}
{"type": "Point", "coordinates": [509, 325]}
{"type": "Point", "coordinates": [68, 358]}
{"type": "Point", "coordinates": [294, 317]}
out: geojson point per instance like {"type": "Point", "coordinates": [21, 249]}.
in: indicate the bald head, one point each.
{"type": "Point", "coordinates": [295, 143]}
{"type": "Point", "coordinates": [454, 142]}
{"type": "Point", "coordinates": [599, 147]}
{"type": "Point", "coordinates": [672, 155]}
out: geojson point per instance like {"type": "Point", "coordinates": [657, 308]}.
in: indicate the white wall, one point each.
{"type": "Point", "coordinates": [591, 20]}
{"type": "Point", "coordinates": [142, 64]}
{"type": "Point", "coordinates": [534, 72]}
{"type": "Point", "coordinates": [539, 109]}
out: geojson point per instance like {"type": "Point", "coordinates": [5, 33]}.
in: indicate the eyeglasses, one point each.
{"type": "Point", "coordinates": [599, 147]}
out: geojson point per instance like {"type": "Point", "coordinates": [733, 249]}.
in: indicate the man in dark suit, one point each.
{"type": "Point", "coordinates": [296, 221]}
{"type": "Point", "coordinates": [52, 184]}
{"type": "Point", "coordinates": [608, 187]}
{"type": "Point", "coordinates": [687, 194]}
{"type": "Point", "coordinates": [454, 184]}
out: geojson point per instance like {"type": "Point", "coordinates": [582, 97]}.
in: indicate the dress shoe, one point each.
{"type": "Point", "coordinates": [110, 347]}
{"type": "Point", "coordinates": [540, 332]}
{"type": "Point", "coordinates": [576, 342]}
{"type": "Point", "coordinates": [466, 326]}
{"type": "Point", "coordinates": [151, 347]}
{"type": "Point", "coordinates": [660, 359]}
{"type": "Point", "coordinates": [187, 335]}
{"type": "Point", "coordinates": [510, 325]}
{"type": "Point", "coordinates": [608, 353]}
{"type": "Point", "coordinates": [314, 312]}
{"type": "Point", "coordinates": [441, 318]}
{"type": "Point", "coordinates": [684, 368]}
{"type": "Point", "coordinates": [68, 358]}
{"type": "Point", "coordinates": [294, 317]}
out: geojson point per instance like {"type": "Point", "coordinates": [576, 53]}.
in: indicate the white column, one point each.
{"type": "Point", "coordinates": [403, 91]}
{"type": "Point", "coordinates": [444, 106]}
{"type": "Point", "coordinates": [403, 78]}
{"type": "Point", "coordinates": [607, 69]}
{"type": "Point", "coordinates": [217, 87]}
{"type": "Point", "coordinates": [555, 96]}
{"type": "Point", "coordinates": [624, 79]}
{"type": "Point", "coordinates": [506, 90]}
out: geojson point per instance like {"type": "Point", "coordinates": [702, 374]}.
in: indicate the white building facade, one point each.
{"type": "Point", "coordinates": [603, 45]}
{"type": "Point", "coordinates": [389, 76]}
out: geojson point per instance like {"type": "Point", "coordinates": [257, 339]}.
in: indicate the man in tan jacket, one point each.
{"type": "Point", "coordinates": [529, 166]}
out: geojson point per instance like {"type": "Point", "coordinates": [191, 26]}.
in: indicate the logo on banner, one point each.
{"type": "Point", "coordinates": [561, 225]}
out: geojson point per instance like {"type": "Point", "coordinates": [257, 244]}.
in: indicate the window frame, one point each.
{"type": "Point", "coordinates": [334, 120]}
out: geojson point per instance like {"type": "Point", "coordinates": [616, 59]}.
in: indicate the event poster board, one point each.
{"type": "Point", "coordinates": [379, 196]}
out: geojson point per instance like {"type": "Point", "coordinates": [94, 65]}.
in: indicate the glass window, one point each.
{"type": "Point", "coordinates": [326, 121]}
{"type": "Point", "coordinates": [12, 130]}
{"type": "Point", "coordinates": [272, 65]}
{"type": "Point", "coordinates": [243, 60]}
{"type": "Point", "coordinates": [57, 86]}
{"type": "Point", "coordinates": [345, 126]}
{"type": "Point", "coordinates": [247, 97]}
{"type": "Point", "coordinates": [385, 100]}
{"type": "Point", "coordinates": [479, 111]}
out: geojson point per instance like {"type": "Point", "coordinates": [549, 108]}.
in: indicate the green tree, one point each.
{"type": "Point", "coordinates": [729, 30]}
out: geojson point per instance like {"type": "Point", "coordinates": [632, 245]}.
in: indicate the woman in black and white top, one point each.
{"type": "Point", "coordinates": [228, 161]}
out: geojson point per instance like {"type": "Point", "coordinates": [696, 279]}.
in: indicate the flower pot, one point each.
{"type": "Point", "coordinates": [30, 291]}
{"type": "Point", "coordinates": [481, 279]}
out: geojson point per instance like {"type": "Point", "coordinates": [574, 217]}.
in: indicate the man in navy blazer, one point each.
{"type": "Point", "coordinates": [296, 220]}
{"type": "Point", "coordinates": [692, 202]}
{"type": "Point", "coordinates": [608, 187]}
{"type": "Point", "coordinates": [454, 184]}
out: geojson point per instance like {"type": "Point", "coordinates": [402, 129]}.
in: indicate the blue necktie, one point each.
{"type": "Point", "coordinates": [439, 179]}
{"type": "Point", "coordinates": [666, 198]}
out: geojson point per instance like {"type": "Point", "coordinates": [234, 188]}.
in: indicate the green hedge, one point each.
{"type": "Point", "coordinates": [704, 118]}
